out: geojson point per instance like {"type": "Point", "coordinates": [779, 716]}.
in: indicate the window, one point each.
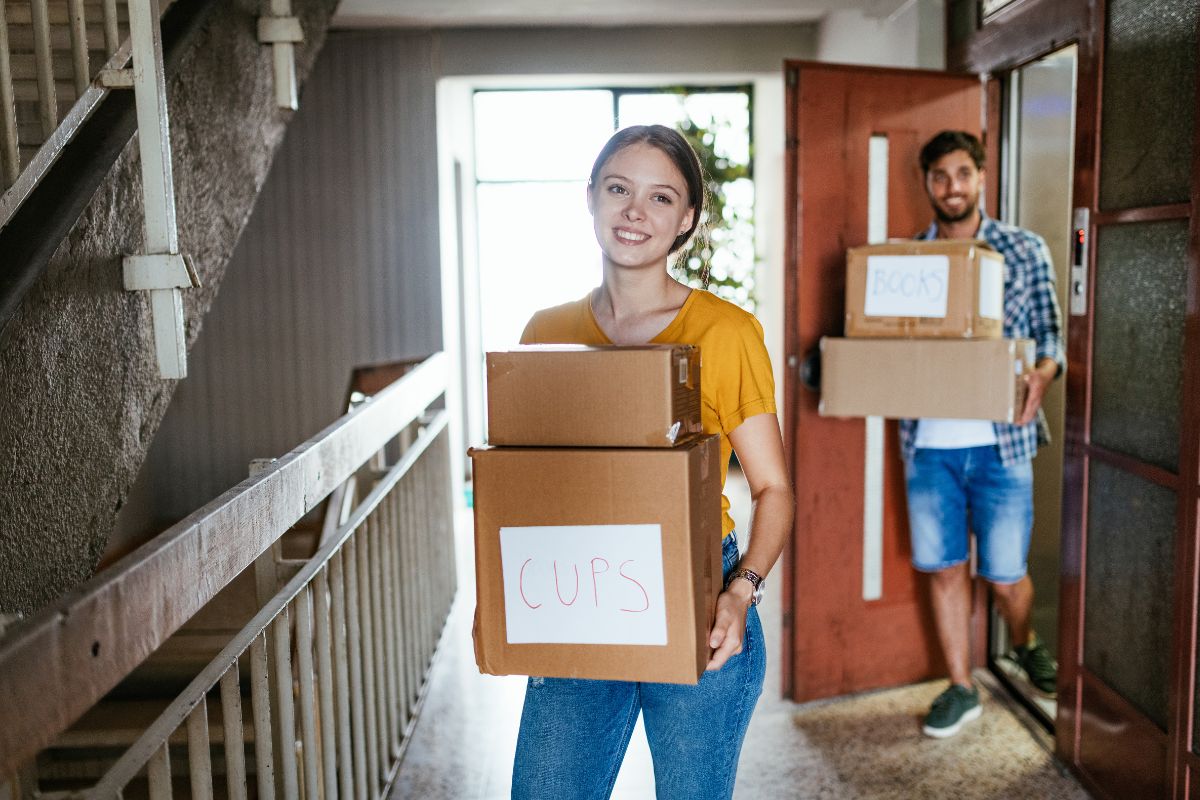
{"type": "Point", "coordinates": [533, 153]}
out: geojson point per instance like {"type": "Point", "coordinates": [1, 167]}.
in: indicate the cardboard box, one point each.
{"type": "Point", "coordinates": [907, 378]}
{"type": "Point", "coordinates": [576, 396]}
{"type": "Point", "coordinates": [937, 289]}
{"type": "Point", "coordinates": [597, 563]}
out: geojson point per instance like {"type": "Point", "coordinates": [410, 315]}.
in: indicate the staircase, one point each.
{"type": "Point", "coordinates": [275, 643]}
{"type": "Point", "coordinates": [52, 56]}
{"type": "Point", "coordinates": [104, 30]}
{"type": "Point", "coordinates": [81, 387]}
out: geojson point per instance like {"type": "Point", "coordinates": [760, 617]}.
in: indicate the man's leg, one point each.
{"type": "Point", "coordinates": [937, 514]}
{"type": "Point", "coordinates": [1001, 500]}
{"type": "Point", "coordinates": [950, 590]}
{"type": "Point", "coordinates": [1015, 603]}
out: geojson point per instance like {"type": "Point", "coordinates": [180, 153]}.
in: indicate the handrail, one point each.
{"type": "Point", "coordinates": [28, 177]}
{"type": "Point", "coordinates": [19, 180]}
{"type": "Point", "coordinates": [58, 663]}
{"type": "Point", "coordinates": [135, 758]}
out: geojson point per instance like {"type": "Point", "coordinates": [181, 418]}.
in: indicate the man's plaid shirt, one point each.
{"type": "Point", "coordinates": [1031, 312]}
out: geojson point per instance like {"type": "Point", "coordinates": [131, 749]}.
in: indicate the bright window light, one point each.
{"type": "Point", "coordinates": [540, 135]}
{"type": "Point", "coordinates": [536, 249]}
{"type": "Point", "coordinates": [533, 152]}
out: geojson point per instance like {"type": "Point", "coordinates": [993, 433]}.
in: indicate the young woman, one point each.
{"type": "Point", "coordinates": [646, 195]}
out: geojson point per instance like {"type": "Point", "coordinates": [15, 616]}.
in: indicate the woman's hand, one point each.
{"type": "Point", "coordinates": [729, 627]}
{"type": "Point", "coordinates": [759, 448]}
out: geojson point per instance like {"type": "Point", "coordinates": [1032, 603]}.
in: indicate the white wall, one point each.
{"type": "Point", "coordinates": [914, 36]}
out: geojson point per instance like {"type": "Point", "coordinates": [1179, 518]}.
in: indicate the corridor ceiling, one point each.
{"type": "Point", "coordinates": [597, 13]}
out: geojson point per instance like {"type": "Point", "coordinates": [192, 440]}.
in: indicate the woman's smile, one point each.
{"type": "Point", "coordinates": [630, 237]}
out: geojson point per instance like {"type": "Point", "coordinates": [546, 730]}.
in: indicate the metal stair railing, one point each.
{"type": "Point", "coordinates": [337, 658]}
{"type": "Point", "coordinates": [58, 61]}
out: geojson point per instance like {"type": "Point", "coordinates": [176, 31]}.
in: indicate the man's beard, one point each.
{"type": "Point", "coordinates": [950, 219]}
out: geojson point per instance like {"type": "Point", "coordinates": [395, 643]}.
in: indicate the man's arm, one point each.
{"type": "Point", "coordinates": [1045, 320]}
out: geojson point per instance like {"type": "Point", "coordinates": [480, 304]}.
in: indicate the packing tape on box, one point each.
{"type": "Point", "coordinates": [673, 432]}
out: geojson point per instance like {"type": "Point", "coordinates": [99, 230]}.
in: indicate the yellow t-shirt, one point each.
{"type": "Point", "coordinates": [735, 371]}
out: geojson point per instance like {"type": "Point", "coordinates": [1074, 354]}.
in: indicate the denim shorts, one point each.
{"type": "Point", "coordinates": [574, 732]}
{"type": "Point", "coordinates": [956, 491]}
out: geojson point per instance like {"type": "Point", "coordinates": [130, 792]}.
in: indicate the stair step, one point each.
{"type": "Point", "coordinates": [21, 39]}
{"type": "Point", "coordinates": [29, 124]}
{"type": "Point", "coordinates": [62, 66]}
{"type": "Point", "coordinates": [186, 653]}
{"type": "Point", "coordinates": [27, 107]}
{"type": "Point", "coordinates": [27, 152]}
{"type": "Point", "coordinates": [18, 13]}
{"type": "Point", "coordinates": [26, 94]}
{"type": "Point", "coordinates": [119, 723]}
{"type": "Point", "coordinates": [84, 753]}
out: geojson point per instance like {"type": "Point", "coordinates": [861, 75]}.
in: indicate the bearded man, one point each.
{"type": "Point", "coordinates": [978, 473]}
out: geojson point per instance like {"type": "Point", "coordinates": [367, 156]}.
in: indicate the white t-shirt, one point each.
{"type": "Point", "coordinates": [948, 434]}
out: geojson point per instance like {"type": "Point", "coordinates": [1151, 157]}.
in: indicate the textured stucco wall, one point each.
{"type": "Point", "coordinates": [80, 397]}
{"type": "Point", "coordinates": [338, 266]}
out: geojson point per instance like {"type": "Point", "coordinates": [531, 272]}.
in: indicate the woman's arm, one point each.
{"type": "Point", "coordinates": [759, 448]}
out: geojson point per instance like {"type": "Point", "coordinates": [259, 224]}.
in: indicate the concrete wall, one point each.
{"type": "Point", "coordinates": [80, 398]}
{"type": "Point", "coordinates": [337, 267]}
{"type": "Point", "coordinates": [914, 36]}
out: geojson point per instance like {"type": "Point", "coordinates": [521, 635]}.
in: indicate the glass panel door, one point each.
{"type": "Point", "coordinates": [1039, 164]}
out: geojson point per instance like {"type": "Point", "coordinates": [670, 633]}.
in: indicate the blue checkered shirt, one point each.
{"type": "Point", "coordinates": [1030, 312]}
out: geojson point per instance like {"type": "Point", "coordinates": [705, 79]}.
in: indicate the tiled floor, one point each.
{"type": "Point", "coordinates": [867, 746]}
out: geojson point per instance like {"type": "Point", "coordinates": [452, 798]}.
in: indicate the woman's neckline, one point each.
{"type": "Point", "coordinates": [658, 338]}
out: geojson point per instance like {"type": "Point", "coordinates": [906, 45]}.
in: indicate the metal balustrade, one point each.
{"type": "Point", "coordinates": [58, 60]}
{"type": "Point", "coordinates": [335, 660]}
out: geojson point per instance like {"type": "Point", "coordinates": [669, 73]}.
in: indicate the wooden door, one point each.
{"type": "Point", "coordinates": [859, 615]}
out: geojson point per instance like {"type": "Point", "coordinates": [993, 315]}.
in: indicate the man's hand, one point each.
{"type": "Point", "coordinates": [729, 627]}
{"type": "Point", "coordinates": [1036, 382]}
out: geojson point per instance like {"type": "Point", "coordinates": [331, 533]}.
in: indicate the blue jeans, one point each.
{"type": "Point", "coordinates": [955, 490]}
{"type": "Point", "coordinates": [574, 732]}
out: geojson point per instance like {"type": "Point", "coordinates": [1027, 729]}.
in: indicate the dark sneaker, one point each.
{"type": "Point", "coordinates": [1040, 666]}
{"type": "Point", "coordinates": [951, 710]}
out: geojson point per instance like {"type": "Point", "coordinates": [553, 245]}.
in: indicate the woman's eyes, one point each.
{"type": "Point", "coordinates": [617, 188]}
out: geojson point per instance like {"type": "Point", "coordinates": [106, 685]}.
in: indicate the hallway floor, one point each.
{"type": "Point", "coordinates": [865, 746]}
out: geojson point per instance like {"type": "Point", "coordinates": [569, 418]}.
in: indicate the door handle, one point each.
{"type": "Point", "coordinates": [810, 370]}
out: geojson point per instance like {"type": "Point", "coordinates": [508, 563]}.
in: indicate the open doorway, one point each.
{"type": "Point", "coordinates": [1038, 166]}
{"type": "Point", "coordinates": [533, 239]}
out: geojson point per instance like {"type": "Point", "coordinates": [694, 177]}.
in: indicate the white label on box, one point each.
{"type": "Point", "coordinates": [584, 584]}
{"type": "Point", "coordinates": [991, 287]}
{"type": "Point", "coordinates": [907, 286]}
